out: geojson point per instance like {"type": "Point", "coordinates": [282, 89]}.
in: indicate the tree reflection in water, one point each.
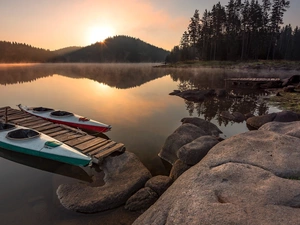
{"type": "Point", "coordinates": [246, 100]}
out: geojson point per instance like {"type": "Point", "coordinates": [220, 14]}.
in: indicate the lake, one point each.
{"type": "Point", "coordinates": [134, 99]}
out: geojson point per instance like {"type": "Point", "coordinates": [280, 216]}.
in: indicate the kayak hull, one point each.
{"type": "Point", "coordinates": [71, 120]}
{"type": "Point", "coordinates": [37, 147]}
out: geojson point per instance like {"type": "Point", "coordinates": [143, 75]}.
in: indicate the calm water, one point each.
{"type": "Point", "coordinates": [133, 98]}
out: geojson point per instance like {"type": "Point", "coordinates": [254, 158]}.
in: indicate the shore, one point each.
{"type": "Point", "coordinates": [259, 64]}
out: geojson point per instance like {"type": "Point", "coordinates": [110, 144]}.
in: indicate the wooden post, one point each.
{"type": "Point", "coordinates": [5, 114]}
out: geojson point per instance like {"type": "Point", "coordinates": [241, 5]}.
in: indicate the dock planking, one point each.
{"type": "Point", "coordinates": [95, 147]}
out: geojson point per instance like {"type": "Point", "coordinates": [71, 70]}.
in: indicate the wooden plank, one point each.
{"type": "Point", "coordinates": [24, 120]}
{"type": "Point", "coordinates": [79, 140]}
{"type": "Point", "coordinates": [47, 127]}
{"type": "Point", "coordinates": [94, 149]}
{"type": "Point", "coordinates": [102, 148]}
{"type": "Point", "coordinates": [29, 123]}
{"type": "Point", "coordinates": [58, 133]}
{"type": "Point", "coordinates": [117, 147]}
{"type": "Point", "coordinates": [89, 143]}
{"type": "Point", "coordinates": [49, 131]}
{"type": "Point", "coordinates": [39, 125]}
{"type": "Point", "coordinates": [68, 137]}
{"type": "Point", "coordinates": [15, 115]}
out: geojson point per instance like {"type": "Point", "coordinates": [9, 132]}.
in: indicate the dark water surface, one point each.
{"type": "Point", "coordinates": [133, 98]}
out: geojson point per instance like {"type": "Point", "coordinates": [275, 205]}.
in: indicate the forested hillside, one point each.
{"type": "Point", "coordinates": [247, 30]}
{"type": "Point", "coordinates": [17, 52]}
{"type": "Point", "coordinates": [116, 49]}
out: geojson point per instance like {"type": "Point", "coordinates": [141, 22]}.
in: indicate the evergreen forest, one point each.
{"type": "Point", "coordinates": [113, 49]}
{"type": "Point", "coordinates": [248, 30]}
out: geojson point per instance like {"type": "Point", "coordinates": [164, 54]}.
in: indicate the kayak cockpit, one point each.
{"type": "Point", "coordinates": [22, 134]}
{"type": "Point", "coordinates": [42, 109]}
{"type": "Point", "coordinates": [6, 126]}
{"type": "Point", "coordinates": [61, 113]}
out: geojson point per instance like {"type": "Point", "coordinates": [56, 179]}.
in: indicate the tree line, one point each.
{"type": "Point", "coordinates": [247, 30]}
{"type": "Point", "coordinates": [114, 49]}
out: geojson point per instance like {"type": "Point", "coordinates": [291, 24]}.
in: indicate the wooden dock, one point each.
{"type": "Point", "coordinates": [96, 147]}
{"type": "Point", "coordinates": [253, 82]}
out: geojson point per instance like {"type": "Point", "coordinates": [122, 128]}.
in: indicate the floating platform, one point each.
{"type": "Point", "coordinates": [96, 147]}
{"type": "Point", "coordinates": [253, 82]}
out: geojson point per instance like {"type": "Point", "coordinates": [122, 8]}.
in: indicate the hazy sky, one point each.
{"type": "Point", "coordinates": [54, 24]}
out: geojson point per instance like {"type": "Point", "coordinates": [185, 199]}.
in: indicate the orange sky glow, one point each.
{"type": "Point", "coordinates": [55, 24]}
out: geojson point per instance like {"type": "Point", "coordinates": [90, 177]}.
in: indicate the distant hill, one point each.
{"type": "Point", "coordinates": [66, 50]}
{"type": "Point", "coordinates": [116, 49]}
{"type": "Point", "coordinates": [17, 52]}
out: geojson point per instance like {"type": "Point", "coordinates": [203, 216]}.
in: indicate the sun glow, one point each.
{"type": "Point", "coordinates": [99, 34]}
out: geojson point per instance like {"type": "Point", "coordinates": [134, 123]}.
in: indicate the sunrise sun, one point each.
{"type": "Point", "coordinates": [99, 34]}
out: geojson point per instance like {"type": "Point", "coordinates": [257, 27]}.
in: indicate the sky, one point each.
{"type": "Point", "coordinates": [55, 24]}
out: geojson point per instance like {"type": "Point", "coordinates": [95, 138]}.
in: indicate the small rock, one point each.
{"type": "Point", "coordinates": [208, 127]}
{"type": "Point", "coordinates": [227, 115]}
{"type": "Point", "coordinates": [258, 121]}
{"type": "Point", "coordinates": [178, 168]}
{"type": "Point", "coordinates": [141, 200]}
{"type": "Point", "coordinates": [289, 88]}
{"type": "Point", "coordinates": [181, 136]}
{"type": "Point", "coordinates": [159, 184]}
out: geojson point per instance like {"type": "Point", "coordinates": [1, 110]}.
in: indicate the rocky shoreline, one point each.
{"type": "Point", "coordinates": [250, 178]}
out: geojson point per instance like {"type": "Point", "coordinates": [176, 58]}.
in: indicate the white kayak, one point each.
{"type": "Point", "coordinates": [29, 141]}
{"type": "Point", "coordinates": [66, 118]}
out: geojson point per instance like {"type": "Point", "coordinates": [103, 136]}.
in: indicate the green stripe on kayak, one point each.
{"type": "Point", "coordinates": [64, 159]}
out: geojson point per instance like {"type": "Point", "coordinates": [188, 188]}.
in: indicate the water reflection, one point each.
{"type": "Point", "coordinates": [120, 75]}
{"type": "Point", "coordinates": [243, 100]}
{"type": "Point", "coordinates": [47, 165]}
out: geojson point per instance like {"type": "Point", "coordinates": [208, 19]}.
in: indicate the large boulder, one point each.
{"type": "Point", "coordinates": [194, 151]}
{"type": "Point", "coordinates": [181, 136]}
{"type": "Point", "coordinates": [159, 184]}
{"type": "Point", "coordinates": [286, 116]}
{"type": "Point", "coordinates": [124, 175]}
{"type": "Point", "coordinates": [250, 178]}
{"type": "Point", "coordinates": [288, 128]}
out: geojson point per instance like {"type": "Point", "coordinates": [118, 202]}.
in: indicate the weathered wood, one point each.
{"type": "Point", "coordinates": [118, 147]}
{"type": "Point", "coordinates": [42, 124]}
{"type": "Point", "coordinates": [67, 137]}
{"type": "Point", "coordinates": [100, 147]}
{"type": "Point", "coordinates": [89, 143]}
{"type": "Point", "coordinates": [49, 131]}
{"type": "Point", "coordinates": [60, 132]}
{"type": "Point", "coordinates": [96, 147]}
{"type": "Point", "coordinates": [50, 126]}
{"type": "Point", "coordinates": [24, 120]}
{"type": "Point", "coordinates": [79, 140]}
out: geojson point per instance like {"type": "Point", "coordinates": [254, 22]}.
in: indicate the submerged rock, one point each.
{"type": "Point", "coordinates": [242, 180]}
{"type": "Point", "coordinates": [124, 175]}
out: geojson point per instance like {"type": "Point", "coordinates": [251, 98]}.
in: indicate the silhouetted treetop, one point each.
{"type": "Point", "coordinates": [116, 49]}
